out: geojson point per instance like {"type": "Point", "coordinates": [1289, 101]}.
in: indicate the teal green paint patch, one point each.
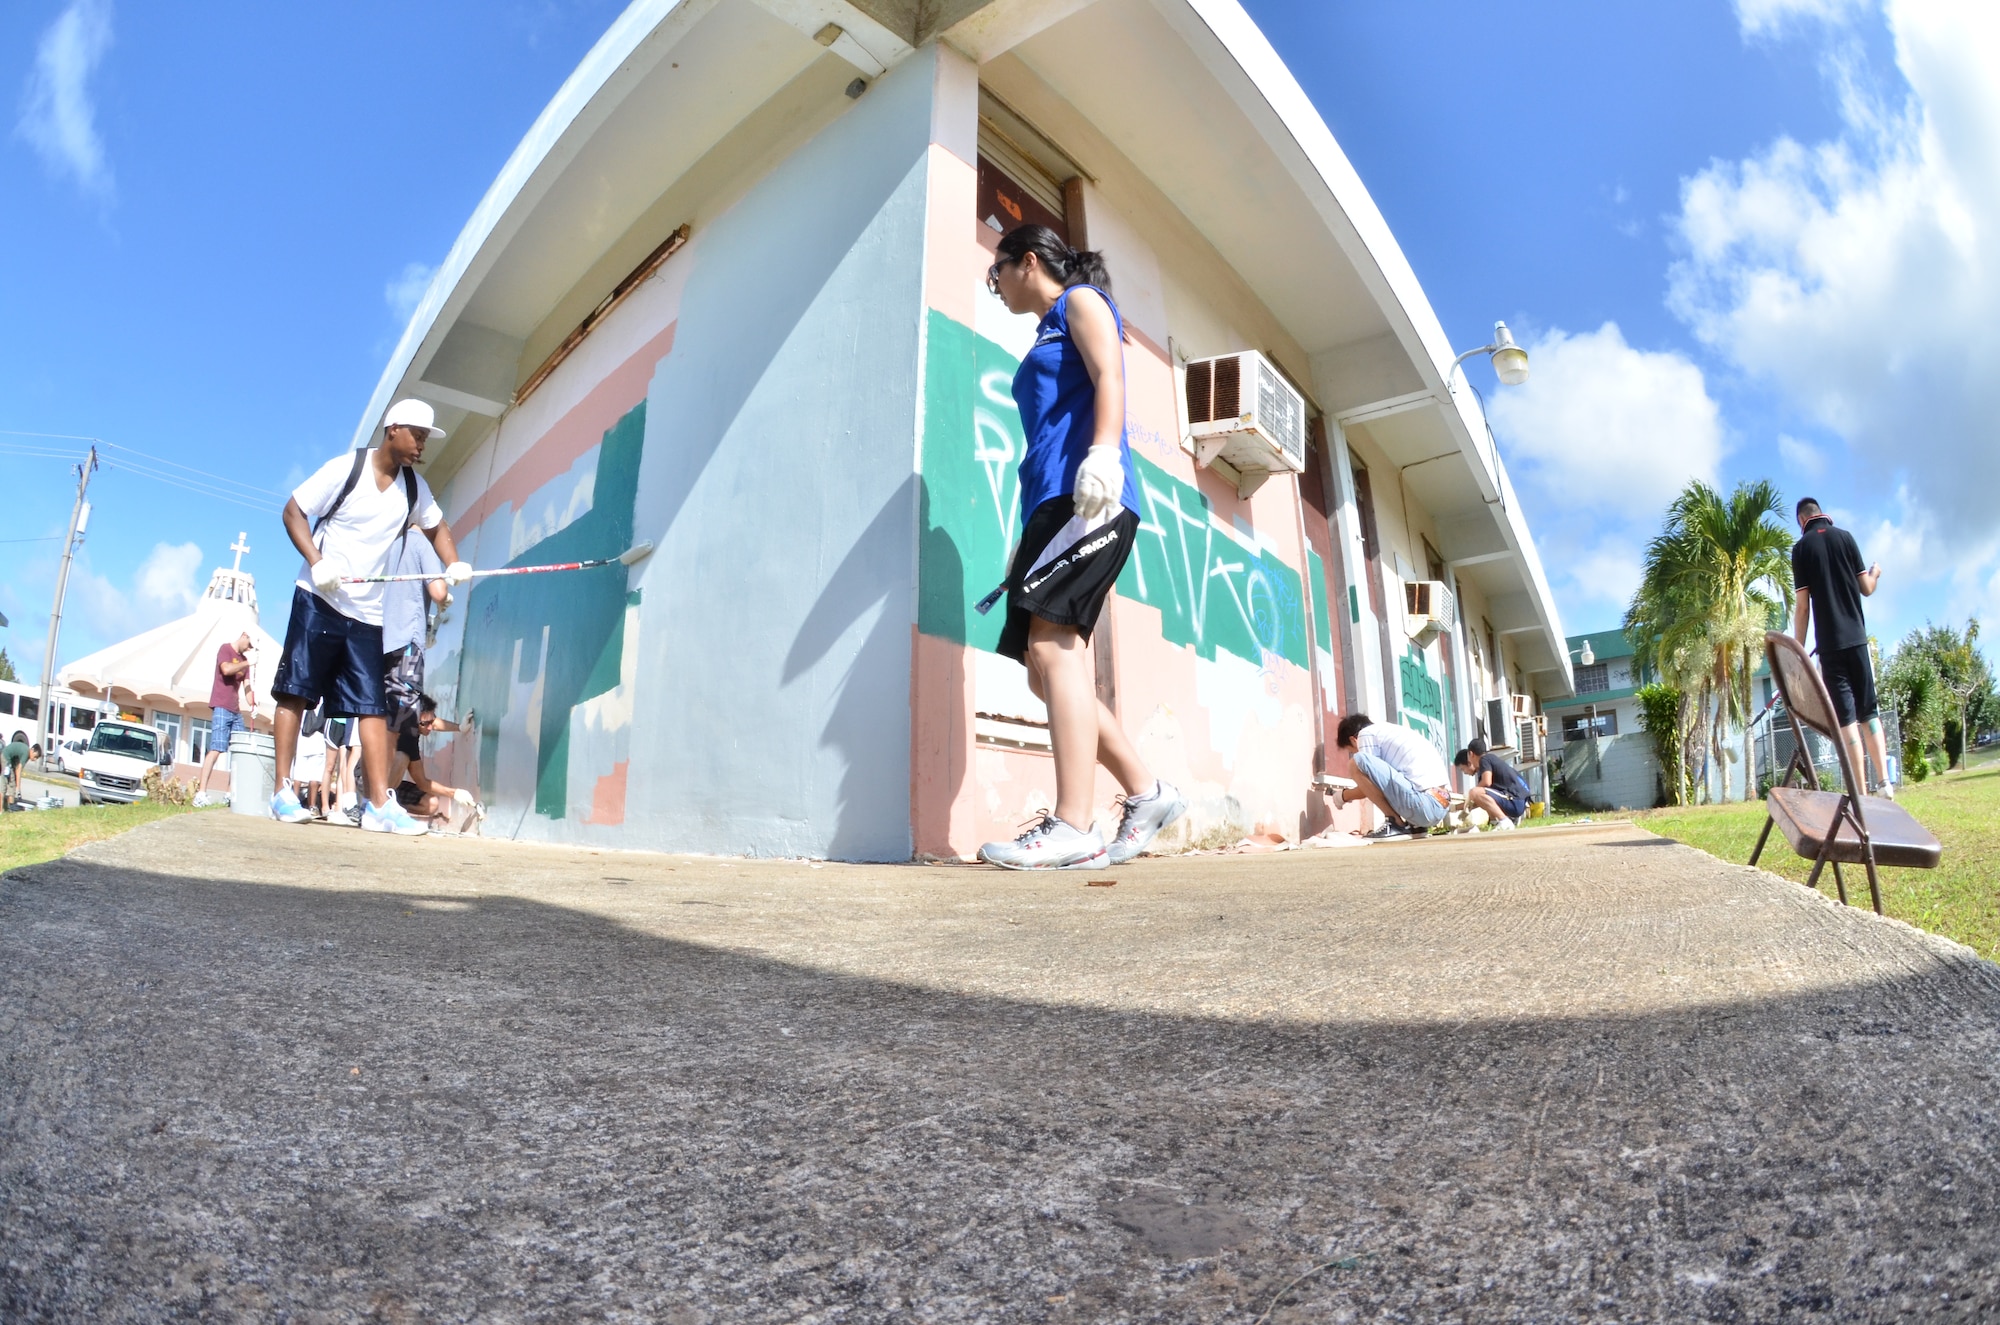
{"type": "Point", "coordinates": [1213, 592]}
{"type": "Point", "coordinates": [568, 627]}
{"type": "Point", "coordinates": [971, 495]}
{"type": "Point", "coordinates": [1353, 604]}
{"type": "Point", "coordinates": [1322, 625]}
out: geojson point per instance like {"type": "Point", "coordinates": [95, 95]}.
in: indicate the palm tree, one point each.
{"type": "Point", "coordinates": [1717, 577]}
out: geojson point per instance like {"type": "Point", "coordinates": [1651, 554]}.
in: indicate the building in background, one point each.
{"type": "Point", "coordinates": [727, 296]}
{"type": "Point", "coordinates": [163, 677]}
{"type": "Point", "coordinates": [1608, 760]}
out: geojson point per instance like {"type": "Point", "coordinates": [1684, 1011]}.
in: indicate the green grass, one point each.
{"type": "Point", "coordinates": [1960, 899]}
{"type": "Point", "coordinates": [33, 836]}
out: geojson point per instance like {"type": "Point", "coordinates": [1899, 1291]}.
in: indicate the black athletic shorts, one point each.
{"type": "Point", "coordinates": [1850, 680]}
{"type": "Point", "coordinates": [1063, 570]}
{"type": "Point", "coordinates": [332, 658]}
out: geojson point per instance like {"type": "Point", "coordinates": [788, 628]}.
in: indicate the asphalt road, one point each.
{"type": "Point", "coordinates": [259, 1073]}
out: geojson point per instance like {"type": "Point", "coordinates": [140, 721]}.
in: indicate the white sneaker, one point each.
{"type": "Point", "coordinates": [1504, 825]}
{"type": "Point", "coordinates": [390, 818]}
{"type": "Point", "coordinates": [1049, 844]}
{"type": "Point", "coordinates": [1143, 819]}
{"type": "Point", "coordinates": [285, 807]}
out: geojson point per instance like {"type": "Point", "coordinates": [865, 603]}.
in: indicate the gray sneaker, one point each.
{"type": "Point", "coordinates": [1143, 819]}
{"type": "Point", "coordinates": [1049, 844]}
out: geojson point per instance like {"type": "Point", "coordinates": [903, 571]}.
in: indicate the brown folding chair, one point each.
{"type": "Point", "coordinates": [1832, 826]}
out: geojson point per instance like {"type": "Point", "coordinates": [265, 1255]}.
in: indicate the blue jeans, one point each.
{"type": "Point", "coordinates": [223, 723]}
{"type": "Point", "coordinates": [1412, 804]}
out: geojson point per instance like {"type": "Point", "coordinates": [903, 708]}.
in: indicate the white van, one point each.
{"type": "Point", "coordinates": [114, 764]}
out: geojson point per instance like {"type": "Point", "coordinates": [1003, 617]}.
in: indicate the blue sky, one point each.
{"type": "Point", "coordinates": [1751, 239]}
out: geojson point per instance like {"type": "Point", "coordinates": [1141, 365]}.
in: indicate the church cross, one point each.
{"type": "Point", "coordinates": [239, 547]}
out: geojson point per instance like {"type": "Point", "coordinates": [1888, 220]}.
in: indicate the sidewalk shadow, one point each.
{"type": "Point", "coordinates": [230, 1101]}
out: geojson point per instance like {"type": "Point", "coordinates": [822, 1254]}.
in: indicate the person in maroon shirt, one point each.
{"type": "Point", "coordinates": [226, 696]}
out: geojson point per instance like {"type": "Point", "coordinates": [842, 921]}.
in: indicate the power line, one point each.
{"type": "Point", "coordinates": [45, 538]}
{"type": "Point", "coordinates": [218, 487]}
{"type": "Point", "coordinates": [197, 487]}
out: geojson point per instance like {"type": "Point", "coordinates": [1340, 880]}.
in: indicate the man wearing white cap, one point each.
{"type": "Point", "coordinates": [347, 520]}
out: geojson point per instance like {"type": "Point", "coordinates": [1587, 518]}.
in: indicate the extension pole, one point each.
{"type": "Point", "coordinates": [76, 518]}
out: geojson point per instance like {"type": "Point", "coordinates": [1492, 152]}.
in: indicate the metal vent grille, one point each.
{"type": "Point", "coordinates": [1228, 389]}
{"type": "Point", "coordinates": [1201, 391]}
{"type": "Point", "coordinates": [1278, 406]}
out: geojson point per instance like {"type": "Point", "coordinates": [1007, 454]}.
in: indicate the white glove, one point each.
{"type": "Point", "coordinates": [1100, 482]}
{"type": "Point", "coordinates": [456, 574]}
{"type": "Point", "coordinates": [463, 797]}
{"type": "Point", "coordinates": [326, 573]}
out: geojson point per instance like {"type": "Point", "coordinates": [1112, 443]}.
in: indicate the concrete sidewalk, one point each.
{"type": "Point", "coordinates": [250, 1072]}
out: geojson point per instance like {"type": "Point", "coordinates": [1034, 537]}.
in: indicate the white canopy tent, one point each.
{"type": "Point", "coordinates": [173, 666]}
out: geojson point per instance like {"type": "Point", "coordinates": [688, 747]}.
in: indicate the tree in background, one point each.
{"type": "Point", "coordinates": [1661, 713]}
{"type": "Point", "coordinates": [7, 668]}
{"type": "Point", "coordinates": [1942, 691]}
{"type": "Point", "coordinates": [1717, 576]}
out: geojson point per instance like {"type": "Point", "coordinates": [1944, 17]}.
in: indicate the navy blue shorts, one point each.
{"type": "Point", "coordinates": [331, 657]}
{"type": "Point", "coordinates": [1511, 806]}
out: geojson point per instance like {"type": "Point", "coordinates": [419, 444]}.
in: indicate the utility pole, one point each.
{"type": "Point", "coordinates": [79, 519]}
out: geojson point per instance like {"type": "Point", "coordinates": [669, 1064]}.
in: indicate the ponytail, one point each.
{"type": "Point", "coordinates": [1070, 266]}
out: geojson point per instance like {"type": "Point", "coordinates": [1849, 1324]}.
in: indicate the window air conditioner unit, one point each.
{"type": "Point", "coordinates": [1533, 738]}
{"type": "Point", "coordinates": [1429, 609]}
{"type": "Point", "coordinates": [1499, 723]}
{"type": "Point", "coordinates": [1523, 706]}
{"type": "Point", "coordinates": [1243, 412]}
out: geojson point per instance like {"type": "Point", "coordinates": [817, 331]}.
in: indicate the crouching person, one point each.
{"type": "Point", "coordinates": [1497, 787]}
{"type": "Point", "coordinates": [1398, 772]}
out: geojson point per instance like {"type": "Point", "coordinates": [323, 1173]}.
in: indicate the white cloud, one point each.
{"type": "Point", "coordinates": [406, 290]}
{"type": "Point", "coordinates": [58, 117]}
{"type": "Point", "coordinates": [1859, 276]}
{"type": "Point", "coordinates": [168, 579]}
{"type": "Point", "coordinates": [1601, 437]}
{"type": "Point", "coordinates": [1603, 427]}
{"type": "Point", "coordinates": [1802, 458]}
{"type": "Point", "coordinates": [1765, 17]}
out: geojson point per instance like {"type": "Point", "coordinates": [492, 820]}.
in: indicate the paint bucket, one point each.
{"type": "Point", "coordinates": [1536, 809]}
{"type": "Point", "coordinates": [253, 773]}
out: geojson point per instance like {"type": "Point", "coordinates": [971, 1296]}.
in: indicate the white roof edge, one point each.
{"type": "Point", "coordinates": [642, 21]}
{"type": "Point", "coordinates": [1395, 282]}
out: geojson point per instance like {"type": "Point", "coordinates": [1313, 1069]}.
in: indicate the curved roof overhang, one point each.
{"type": "Point", "coordinates": [1188, 92]}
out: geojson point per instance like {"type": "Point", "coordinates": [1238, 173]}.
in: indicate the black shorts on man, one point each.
{"type": "Point", "coordinates": [1850, 681]}
{"type": "Point", "coordinates": [1063, 570]}
{"type": "Point", "coordinates": [330, 658]}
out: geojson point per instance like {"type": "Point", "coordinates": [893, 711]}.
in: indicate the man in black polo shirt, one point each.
{"type": "Point", "coordinates": [1826, 570]}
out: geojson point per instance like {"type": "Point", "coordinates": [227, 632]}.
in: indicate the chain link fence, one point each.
{"type": "Point", "coordinates": [1772, 741]}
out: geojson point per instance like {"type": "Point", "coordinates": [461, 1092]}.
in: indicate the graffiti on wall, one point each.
{"type": "Point", "coordinates": [537, 648]}
{"type": "Point", "coordinates": [1214, 590]}
{"type": "Point", "coordinates": [1426, 700]}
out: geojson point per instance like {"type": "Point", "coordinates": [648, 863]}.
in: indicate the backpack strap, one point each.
{"type": "Point", "coordinates": [353, 477]}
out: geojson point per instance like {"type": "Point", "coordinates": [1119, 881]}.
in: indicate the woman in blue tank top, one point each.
{"type": "Point", "coordinates": [1080, 509]}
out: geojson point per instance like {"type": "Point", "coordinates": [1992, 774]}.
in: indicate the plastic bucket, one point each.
{"type": "Point", "coordinates": [253, 773]}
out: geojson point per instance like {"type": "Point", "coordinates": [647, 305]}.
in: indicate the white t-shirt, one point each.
{"type": "Point", "coordinates": [363, 532]}
{"type": "Point", "coordinates": [1408, 753]}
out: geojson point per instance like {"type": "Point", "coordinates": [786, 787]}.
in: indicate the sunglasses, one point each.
{"type": "Point", "coordinates": [993, 274]}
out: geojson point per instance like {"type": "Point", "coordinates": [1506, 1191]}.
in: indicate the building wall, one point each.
{"type": "Point", "coordinates": [1207, 648]}
{"type": "Point", "coordinates": [1613, 772]}
{"type": "Point", "coordinates": [750, 410]}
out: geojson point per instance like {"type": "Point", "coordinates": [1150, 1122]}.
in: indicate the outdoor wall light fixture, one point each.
{"type": "Point", "coordinates": [1586, 655]}
{"type": "Point", "coordinates": [1510, 361]}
